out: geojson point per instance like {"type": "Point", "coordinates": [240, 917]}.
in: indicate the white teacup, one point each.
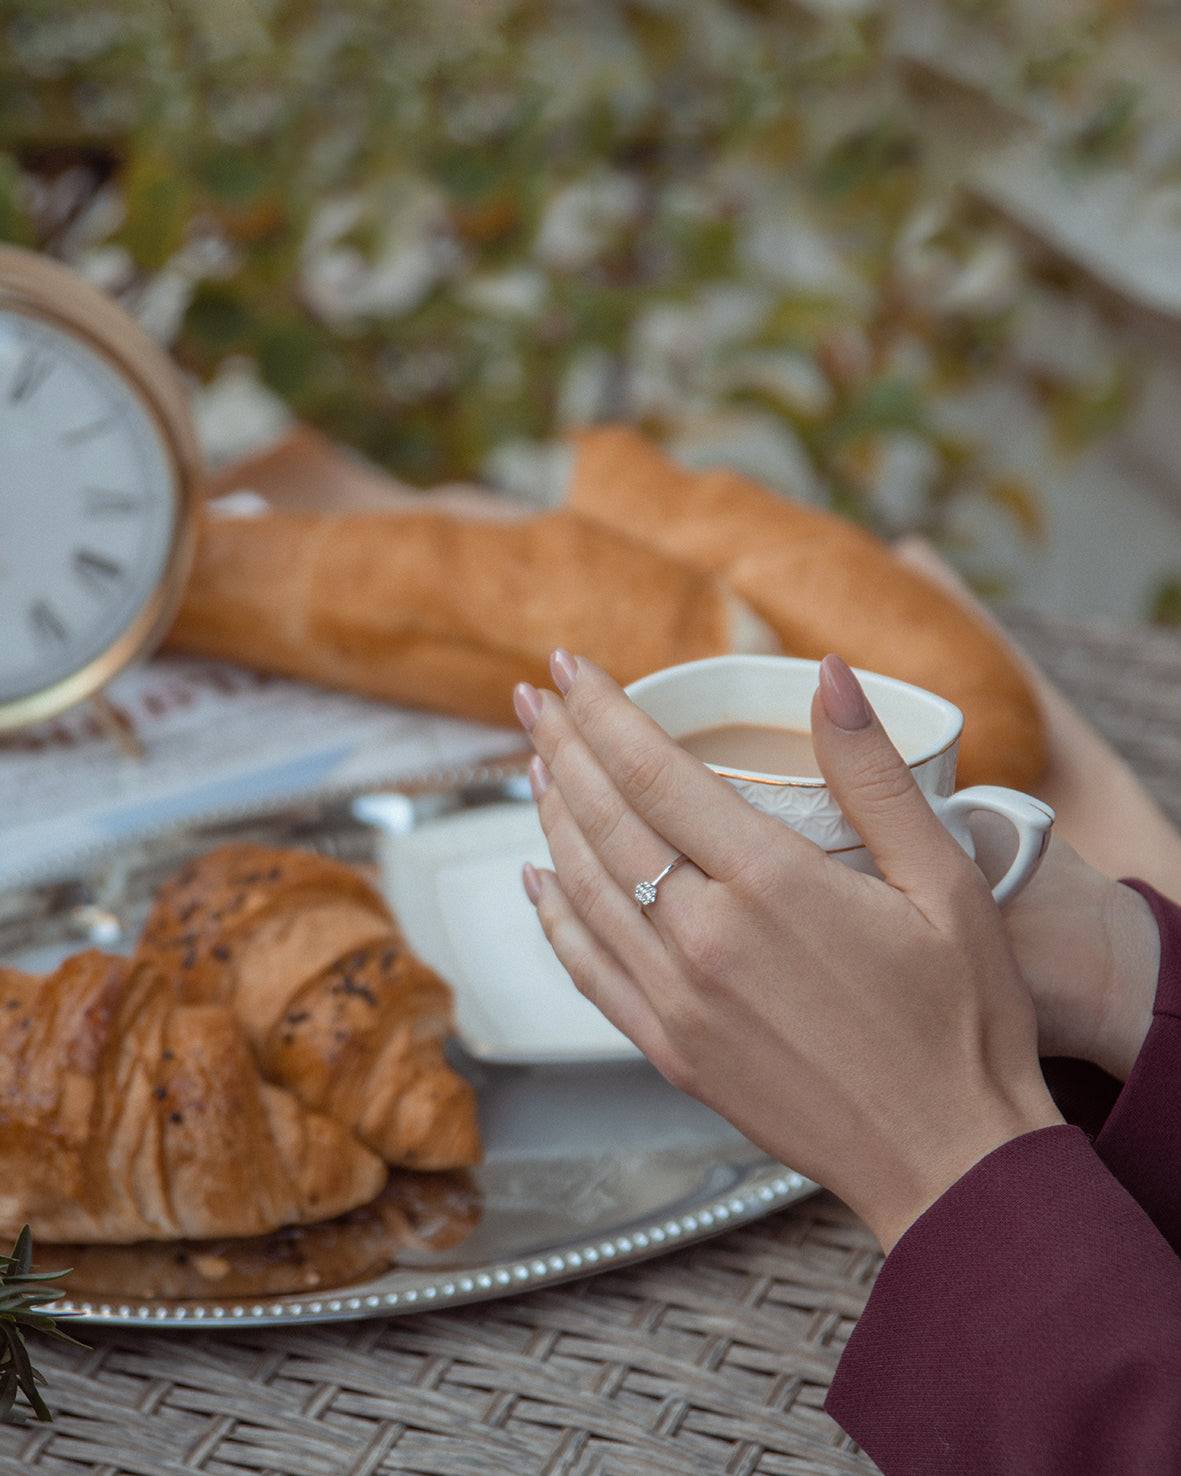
{"type": "Point", "coordinates": [778, 690]}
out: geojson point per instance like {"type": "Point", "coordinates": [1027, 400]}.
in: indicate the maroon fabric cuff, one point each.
{"type": "Point", "coordinates": [1141, 1139]}
{"type": "Point", "coordinates": [1029, 1320]}
{"type": "Point", "coordinates": [1168, 922]}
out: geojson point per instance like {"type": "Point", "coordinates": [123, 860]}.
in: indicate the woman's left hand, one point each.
{"type": "Point", "coordinates": [876, 1035]}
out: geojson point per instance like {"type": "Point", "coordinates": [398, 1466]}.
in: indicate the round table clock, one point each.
{"type": "Point", "coordinates": [98, 479]}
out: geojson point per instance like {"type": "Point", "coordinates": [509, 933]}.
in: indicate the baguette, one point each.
{"type": "Point", "coordinates": [442, 604]}
{"type": "Point", "coordinates": [822, 584]}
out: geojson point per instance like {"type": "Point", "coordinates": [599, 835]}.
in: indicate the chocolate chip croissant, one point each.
{"type": "Point", "coordinates": [128, 1115]}
{"type": "Point", "coordinates": [337, 1008]}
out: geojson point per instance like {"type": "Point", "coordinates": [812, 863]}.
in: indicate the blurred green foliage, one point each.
{"type": "Point", "coordinates": [445, 231]}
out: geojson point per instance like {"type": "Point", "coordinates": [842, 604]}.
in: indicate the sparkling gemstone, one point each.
{"type": "Point", "coordinates": [646, 893]}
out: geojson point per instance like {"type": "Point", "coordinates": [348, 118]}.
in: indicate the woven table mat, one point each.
{"type": "Point", "coordinates": [714, 1359]}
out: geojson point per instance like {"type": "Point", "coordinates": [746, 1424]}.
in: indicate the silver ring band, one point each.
{"type": "Point", "coordinates": [645, 892]}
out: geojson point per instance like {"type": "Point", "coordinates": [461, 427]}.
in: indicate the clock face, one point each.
{"type": "Point", "coordinates": [88, 504]}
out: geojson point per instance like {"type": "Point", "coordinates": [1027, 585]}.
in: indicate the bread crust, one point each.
{"type": "Point", "coordinates": [127, 1115]}
{"type": "Point", "coordinates": [445, 610]}
{"type": "Point", "coordinates": [337, 1008]}
{"type": "Point", "coordinates": [823, 585]}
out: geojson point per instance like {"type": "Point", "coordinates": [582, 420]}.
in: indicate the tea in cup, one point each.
{"type": "Point", "coordinates": [739, 713]}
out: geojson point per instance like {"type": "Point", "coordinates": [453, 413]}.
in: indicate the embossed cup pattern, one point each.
{"type": "Point", "coordinates": [779, 689]}
{"type": "Point", "coordinates": [815, 813]}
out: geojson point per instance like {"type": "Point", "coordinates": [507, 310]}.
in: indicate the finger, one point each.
{"type": "Point", "coordinates": [595, 973]}
{"type": "Point", "coordinates": [627, 848]}
{"type": "Point", "coordinates": [611, 914]}
{"type": "Point", "coordinates": [694, 809]}
{"type": "Point", "coordinates": [874, 787]}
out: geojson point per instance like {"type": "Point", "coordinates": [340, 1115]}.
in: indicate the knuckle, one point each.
{"type": "Point", "coordinates": [882, 784]}
{"type": "Point", "coordinates": [590, 697]}
{"type": "Point", "coordinates": [582, 886]}
{"type": "Point", "coordinates": [547, 725]}
{"type": "Point", "coordinates": [581, 974]}
{"type": "Point", "coordinates": [762, 874]}
{"type": "Point", "coordinates": [577, 963]}
{"type": "Point", "coordinates": [585, 887]}
{"type": "Point", "coordinates": [566, 939]}
{"type": "Point", "coordinates": [600, 822]}
{"type": "Point", "coordinates": [707, 945]}
{"type": "Point", "coordinates": [594, 701]}
{"type": "Point", "coordinates": [552, 738]}
{"type": "Point", "coordinates": [549, 808]}
{"type": "Point", "coordinates": [644, 774]}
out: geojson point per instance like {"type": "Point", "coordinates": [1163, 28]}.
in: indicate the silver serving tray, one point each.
{"type": "Point", "coordinates": [586, 1167]}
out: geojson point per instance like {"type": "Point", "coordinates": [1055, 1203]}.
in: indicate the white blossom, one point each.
{"type": "Point", "coordinates": [236, 414]}
{"type": "Point", "coordinates": [535, 471]}
{"type": "Point", "coordinates": [581, 219]}
{"type": "Point", "coordinates": [518, 292]}
{"type": "Point", "coordinates": [755, 443]}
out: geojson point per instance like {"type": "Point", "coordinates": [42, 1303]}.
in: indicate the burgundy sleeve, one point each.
{"type": "Point", "coordinates": [1030, 1320]}
{"type": "Point", "coordinates": [1140, 1142]}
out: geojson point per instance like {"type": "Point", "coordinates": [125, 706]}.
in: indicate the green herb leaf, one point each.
{"type": "Point", "coordinates": [25, 1300]}
{"type": "Point", "coordinates": [22, 1253]}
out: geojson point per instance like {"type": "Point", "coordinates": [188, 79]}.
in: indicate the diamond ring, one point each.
{"type": "Point", "coordinates": [645, 892]}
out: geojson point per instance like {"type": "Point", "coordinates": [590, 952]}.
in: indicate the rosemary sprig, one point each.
{"type": "Point", "coordinates": [24, 1303]}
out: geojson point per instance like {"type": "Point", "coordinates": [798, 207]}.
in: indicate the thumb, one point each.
{"type": "Point", "coordinates": [874, 787]}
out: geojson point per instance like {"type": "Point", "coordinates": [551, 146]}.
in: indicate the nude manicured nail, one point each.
{"type": "Point", "coordinates": [531, 882]}
{"type": "Point", "coordinates": [539, 776]}
{"type": "Point", "coordinates": [526, 704]}
{"type": "Point", "coordinates": [841, 693]}
{"type": "Point", "coordinates": [564, 669]}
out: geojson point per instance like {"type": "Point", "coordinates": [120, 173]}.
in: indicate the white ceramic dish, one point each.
{"type": "Point", "coordinates": [454, 883]}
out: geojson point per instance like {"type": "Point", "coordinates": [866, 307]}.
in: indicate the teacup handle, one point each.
{"type": "Point", "coordinates": [1029, 817]}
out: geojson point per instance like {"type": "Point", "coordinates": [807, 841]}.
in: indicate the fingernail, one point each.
{"type": "Point", "coordinates": [539, 776]}
{"type": "Point", "coordinates": [564, 669]}
{"type": "Point", "coordinates": [526, 704]}
{"type": "Point", "coordinates": [841, 693]}
{"type": "Point", "coordinates": [531, 882]}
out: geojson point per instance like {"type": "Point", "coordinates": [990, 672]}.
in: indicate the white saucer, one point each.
{"type": "Point", "coordinates": [455, 885]}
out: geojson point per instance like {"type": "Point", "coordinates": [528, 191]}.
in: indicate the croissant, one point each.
{"type": "Point", "coordinates": [414, 1212]}
{"type": "Point", "coordinates": [128, 1115]}
{"type": "Point", "coordinates": [335, 1005]}
{"type": "Point", "coordinates": [822, 584]}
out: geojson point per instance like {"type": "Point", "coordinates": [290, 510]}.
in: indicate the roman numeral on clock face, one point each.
{"type": "Point", "coordinates": [97, 571]}
{"type": "Point", "coordinates": [47, 624]}
{"type": "Point", "coordinates": [101, 504]}
{"type": "Point", "coordinates": [91, 428]}
{"type": "Point", "coordinates": [32, 372]}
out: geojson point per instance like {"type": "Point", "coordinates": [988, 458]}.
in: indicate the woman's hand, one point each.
{"type": "Point", "coordinates": [876, 1035]}
{"type": "Point", "coordinates": [1089, 950]}
{"type": "Point", "coordinates": [1088, 947]}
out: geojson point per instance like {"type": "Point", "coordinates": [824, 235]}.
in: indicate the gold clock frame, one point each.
{"type": "Point", "coordinates": [45, 290]}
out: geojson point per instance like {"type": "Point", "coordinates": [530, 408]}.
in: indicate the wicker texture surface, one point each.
{"type": "Point", "coordinates": [712, 1359]}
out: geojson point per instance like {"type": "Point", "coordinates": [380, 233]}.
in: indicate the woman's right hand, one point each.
{"type": "Point", "coordinates": [1087, 946]}
{"type": "Point", "coordinates": [1089, 950]}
